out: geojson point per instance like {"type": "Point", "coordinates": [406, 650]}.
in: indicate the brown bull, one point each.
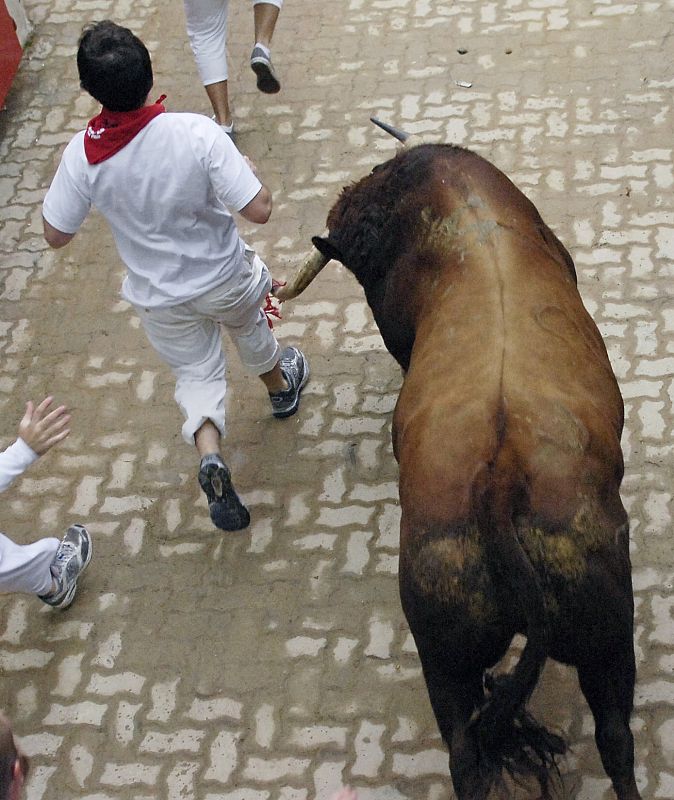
{"type": "Point", "coordinates": [507, 433]}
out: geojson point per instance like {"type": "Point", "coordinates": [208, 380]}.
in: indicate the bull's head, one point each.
{"type": "Point", "coordinates": [324, 250]}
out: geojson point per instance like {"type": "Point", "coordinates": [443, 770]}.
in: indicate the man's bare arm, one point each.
{"type": "Point", "coordinates": [56, 238]}
{"type": "Point", "coordinates": [259, 208]}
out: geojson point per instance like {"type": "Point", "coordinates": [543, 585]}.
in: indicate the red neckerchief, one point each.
{"type": "Point", "coordinates": [109, 131]}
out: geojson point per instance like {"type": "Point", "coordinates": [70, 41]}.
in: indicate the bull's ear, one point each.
{"type": "Point", "coordinates": [327, 248]}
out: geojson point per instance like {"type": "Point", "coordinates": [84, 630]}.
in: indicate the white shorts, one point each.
{"type": "Point", "coordinates": [207, 32]}
{"type": "Point", "coordinates": [187, 337]}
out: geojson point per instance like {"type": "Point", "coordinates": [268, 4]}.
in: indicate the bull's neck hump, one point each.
{"type": "Point", "coordinates": [468, 223]}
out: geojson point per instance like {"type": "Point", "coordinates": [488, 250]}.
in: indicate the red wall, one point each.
{"type": "Point", "coordinates": [10, 52]}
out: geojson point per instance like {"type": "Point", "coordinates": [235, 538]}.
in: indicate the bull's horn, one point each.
{"type": "Point", "coordinates": [401, 136]}
{"type": "Point", "coordinates": [306, 273]}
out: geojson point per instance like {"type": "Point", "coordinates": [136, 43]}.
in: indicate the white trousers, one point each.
{"type": "Point", "coordinates": [187, 337]}
{"type": "Point", "coordinates": [207, 32]}
{"type": "Point", "coordinates": [26, 568]}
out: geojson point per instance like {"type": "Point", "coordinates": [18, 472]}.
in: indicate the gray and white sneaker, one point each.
{"type": "Point", "coordinates": [295, 369]}
{"type": "Point", "coordinates": [227, 512]}
{"type": "Point", "coordinates": [261, 65]}
{"type": "Point", "coordinates": [228, 129]}
{"type": "Point", "coordinates": [71, 559]}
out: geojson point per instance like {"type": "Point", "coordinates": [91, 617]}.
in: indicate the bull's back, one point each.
{"type": "Point", "coordinates": [510, 400]}
{"type": "Point", "coordinates": [508, 425]}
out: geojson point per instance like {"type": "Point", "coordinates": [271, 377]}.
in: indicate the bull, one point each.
{"type": "Point", "coordinates": [507, 435]}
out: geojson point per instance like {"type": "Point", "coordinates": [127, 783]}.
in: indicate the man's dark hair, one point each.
{"type": "Point", "coordinates": [114, 66]}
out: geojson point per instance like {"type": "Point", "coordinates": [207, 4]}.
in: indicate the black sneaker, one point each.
{"type": "Point", "coordinates": [71, 559]}
{"type": "Point", "coordinates": [261, 65]}
{"type": "Point", "coordinates": [227, 512]}
{"type": "Point", "coordinates": [295, 369]}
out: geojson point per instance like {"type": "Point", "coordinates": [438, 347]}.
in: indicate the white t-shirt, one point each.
{"type": "Point", "coordinates": [165, 195]}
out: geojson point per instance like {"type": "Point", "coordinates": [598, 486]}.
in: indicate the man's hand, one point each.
{"type": "Point", "coordinates": [279, 291]}
{"type": "Point", "coordinates": [41, 429]}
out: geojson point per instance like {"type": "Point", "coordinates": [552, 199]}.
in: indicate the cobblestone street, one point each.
{"type": "Point", "coordinates": [275, 663]}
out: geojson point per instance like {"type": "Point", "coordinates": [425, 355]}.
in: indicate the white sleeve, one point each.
{"type": "Point", "coordinates": [67, 201]}
{"type": "Point", "coordinates": [15, 460]}
{"type": "Point", "coordinates": [233, 181]}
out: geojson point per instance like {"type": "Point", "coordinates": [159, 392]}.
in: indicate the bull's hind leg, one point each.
{"type": "Point", "coordinates": [453, 661]}
{"type": "Point", "coordinates": [606, 671]}
{"type": "Point", "coordinates": [609, 689]}
{"type": "Point", "coordinates": [454, 703]}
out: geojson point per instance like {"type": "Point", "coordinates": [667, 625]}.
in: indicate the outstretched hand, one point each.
{"type": "Point", "coordinates": [40, 428]}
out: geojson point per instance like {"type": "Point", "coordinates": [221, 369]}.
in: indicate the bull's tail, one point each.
{"type": "Point", "coordinates": [507, 736]}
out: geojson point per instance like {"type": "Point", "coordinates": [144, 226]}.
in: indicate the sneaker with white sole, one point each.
{"type": "Point", "coordinates": [72, 558]}
{"type": "Point", "coordinates": [295, 369]}
{"type": "Point", "coordinates": [227, 512]}
{"type": "Point", "coordinates": [260, 63]}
